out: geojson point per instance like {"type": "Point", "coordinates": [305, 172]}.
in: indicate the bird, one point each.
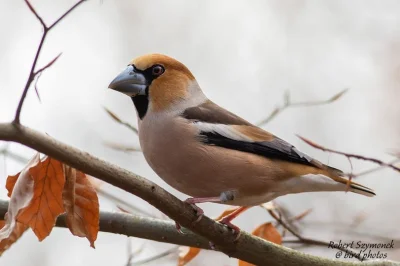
{"type": "Point", "coordinates": [209, 153]}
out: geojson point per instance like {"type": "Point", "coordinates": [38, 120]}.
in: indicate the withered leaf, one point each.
{"type": "Point", "coordinates": [268, 232]}
{"type": "Point", "coordinates": [20, 188]}
{"type": "Point", "coordinates": [46, 204]}
{"type": "Point", "coordinates": [186, 254]}
{"type": "Point", "coordinates": [81, 204]}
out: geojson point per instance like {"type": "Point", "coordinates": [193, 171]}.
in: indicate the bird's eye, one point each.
{"type": "Point", "coordinates": [157, 70]}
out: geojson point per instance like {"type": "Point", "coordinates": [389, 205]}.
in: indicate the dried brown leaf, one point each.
{"type": "Point", "coordinates": [21, 189]}
{"type": "Point", "coordinates": [268, 232]}
{"type": "Point", "coordinates": [46, 204]}
{"type": "Point", "coordinates": [186, 254]}
{"type": "Point", "coordinates": [81, 204]}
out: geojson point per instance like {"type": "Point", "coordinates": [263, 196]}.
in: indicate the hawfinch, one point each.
{"type": "Point", "coordinates": [209, 153]}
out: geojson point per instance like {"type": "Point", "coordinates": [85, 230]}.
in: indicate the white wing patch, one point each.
{"type": "Point", "coordinates": [223, 130]}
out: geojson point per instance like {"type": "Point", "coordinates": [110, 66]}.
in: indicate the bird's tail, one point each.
{"type": "Point", "coordinates": [362, 190]}
{"type": "Point", "coordinates": [354, 187]}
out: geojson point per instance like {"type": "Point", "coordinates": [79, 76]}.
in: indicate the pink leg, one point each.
{"type": "Point", "coordinates": [226, 220]}
{"type": "Point", "coordinates": [199, 211]}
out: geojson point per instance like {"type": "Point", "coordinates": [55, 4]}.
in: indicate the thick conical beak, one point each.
{"type": "Point", "coordinates": [130, 82]}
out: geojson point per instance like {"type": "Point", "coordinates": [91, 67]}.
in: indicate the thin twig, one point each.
{"type": "Point", "coordinates": [33, 73]}
{"type": "Point", "coordinates": [118, 120]}
{"type": "Point", "coordinates": [372, 170]}
{"type": "Point", "coordinates": [287, 103]}
{"type": "Point", "coordinates": [301, 215]}
{"type": "Point", "coordinates": [155, 257]}
{"type": "Point", "coordinates": [36, 86]}
{"type": "Point", "coordinates": [132, 254]}
{"type": "Point", "coordinates": [12, 155]}
{"type": "Point", "coordinates": [306, 240]}
{"type": "Point", "coordinates": [36, 14]}
{"type": "Point", "coordinates": [350, 155]}
{"type": "Point", "coordinates": [118, 201]}
{"type": "Point", "coordinates": [65, 14]}
{"type": "Point", "coordinates": [121, 147]}
{"type": "Point", "coordinates": [49, 64]}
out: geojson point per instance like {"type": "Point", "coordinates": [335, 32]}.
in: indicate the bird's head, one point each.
{"type": "Point", "coordinates": [156, 82]}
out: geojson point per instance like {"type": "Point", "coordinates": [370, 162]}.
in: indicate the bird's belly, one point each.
{"type": "Point", "coordinates": [196, 175]}
{"type": "Point", "coordinates": [200, 170]}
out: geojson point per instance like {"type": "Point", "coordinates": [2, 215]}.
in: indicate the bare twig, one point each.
{"type": "Point", "coordinates": [287, 104]}
{"type": "Point", "coordinates": [156, 257]}
{"type": "Point", "coordinates": [36, 14]}
{"type": "Point", "coordinates": [118, 201]}
{"type": "Point", "coordinates": [119, 121]}
{"type": "Point", "coordinates": [306, 240]}
{"type": "Point", "coordinates": [372, 170]}
{"type": "Point", "coordinates": [49, 64]}
{"type": "Point", "coordinates": [350, 155]}
{"type": "Point", "coordinates": [121, 147]}
{"type": "Point", "coordinates": [12, 155]}
{"type": "Point", "coordinates": [301, 215]}
{"type": "Point", "coordinates": [132, 254]}
{"type": "Point", "coordinates": [33, 73]}
{"type": "Point", "coordinates": [36, 87]}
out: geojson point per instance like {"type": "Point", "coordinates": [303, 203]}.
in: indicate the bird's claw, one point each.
{"type": "Point", "coordinates": [212, 245]}
{"type": "Point", "coordinates": [178, 228]}
{"type": "Point", "coordinates": [199, 213]}
{"type": "Point", "coordinates": [236, 230]}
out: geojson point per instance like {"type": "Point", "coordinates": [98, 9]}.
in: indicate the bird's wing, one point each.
{"type": "Point", "coordinates": [211, 113]}
{"type": "Point", "coordinates": [221, 128]}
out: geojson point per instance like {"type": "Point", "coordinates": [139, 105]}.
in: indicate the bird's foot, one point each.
{"type": "Point", "coordinates": [212, 245]}
{"type": "Point", "coordinates": [235, 229]}
{"type": "Point", "coordinates": [199, 213]}
{"type": "Point", "coordinates": [226, 220]}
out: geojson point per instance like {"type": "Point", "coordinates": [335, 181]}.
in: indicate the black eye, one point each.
{"type": "Point", "coordinates": [157, 70]}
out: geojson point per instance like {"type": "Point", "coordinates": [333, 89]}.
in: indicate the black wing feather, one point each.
{"type": "Point", "coordinates": [276, 149]}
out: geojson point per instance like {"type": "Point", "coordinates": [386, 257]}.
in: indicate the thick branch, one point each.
{"type": "Point", "coordinates": [137, 226]}
{"type": "Point", "coordinates": [165, 231]}
{"type": "Point", "coordinates": [247, 248]}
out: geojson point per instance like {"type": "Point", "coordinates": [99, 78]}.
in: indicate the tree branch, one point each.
{"type": "Point", "coordinates": [287, 104]}
{"type": "Point", "coordinates": [120, 121]}
{"type": "Point", "coordinates": [351, 155]}
{"type": "Point", "coordinates": [248, 248]}
{"type": "Point", "coordinates": [307, 240]}
{"type": "Point", "coordinates": [33, 73]}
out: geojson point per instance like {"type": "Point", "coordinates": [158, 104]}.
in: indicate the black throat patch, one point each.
{"type": "Point", "coordinates": [141, 103]}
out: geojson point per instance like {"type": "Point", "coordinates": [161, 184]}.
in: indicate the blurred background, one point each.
{"type": "Point", "coordinates": [240, 52]}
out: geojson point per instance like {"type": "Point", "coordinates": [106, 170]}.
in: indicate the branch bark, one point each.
{"type": "Point", "coordinates": [248, 248]}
